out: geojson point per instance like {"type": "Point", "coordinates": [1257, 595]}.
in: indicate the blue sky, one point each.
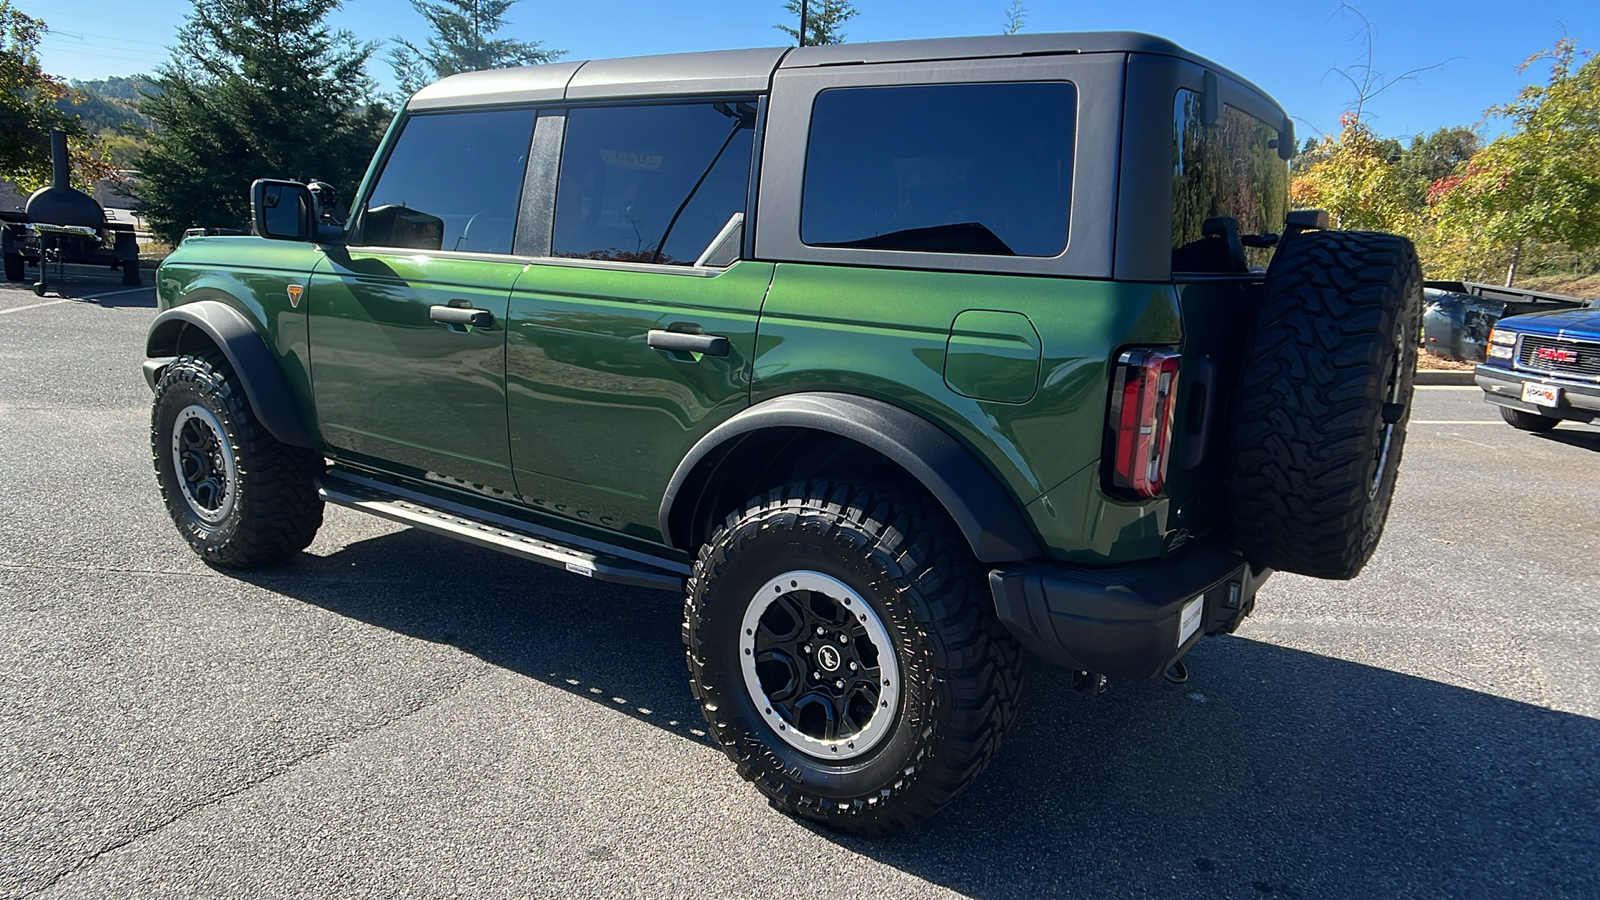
{"type": "Point", "coordinates": [1288, 48]}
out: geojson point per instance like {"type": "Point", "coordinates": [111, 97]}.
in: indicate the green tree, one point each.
{"type": "Point", "coordinates": [463, 41]}
{"type": "Point", "coordinates": [1438, 155]}
{"type": "Point", "coordinates": [254, 89]}
{"type": "Point", "coordinates": [1539, 184]}
{"type": "Point", "coordinates": [824, 19]}
{"type": "Point", "coordinates": [29, 108]}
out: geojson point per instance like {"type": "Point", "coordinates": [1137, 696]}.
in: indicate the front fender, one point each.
{"type": "Point", "coordinates": [985, 511]}
{"type": "Point", "coordinates": [264, 383]}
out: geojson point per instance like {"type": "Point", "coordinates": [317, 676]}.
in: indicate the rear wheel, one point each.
{"type": "Point", "coordinates": [1526, 421]}
{"type": "Point", "coordinates": [130, 273]}
{"type": "Point", "coordinates": [14, 267]}
{"type": "Point", "coordinates": [239, 496]}
{"type": "Point", "coordinates": [843, 657]}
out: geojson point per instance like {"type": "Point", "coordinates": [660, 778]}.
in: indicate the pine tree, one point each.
{"type": "Point", "coordinates": [463, 41]}
{"type": "Point", "coordinates": [254, 89]}
{"type": "Point", "coordinates": [823, 21]}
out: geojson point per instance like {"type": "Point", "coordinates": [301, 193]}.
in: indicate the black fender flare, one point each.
{"type": "Point", "coordinates": [981, 506]}
{"type": "Point", "coordinates": [258, 371]}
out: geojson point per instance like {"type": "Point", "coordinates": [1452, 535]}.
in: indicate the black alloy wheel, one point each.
{"type": "Point", "coordinates": [844, 650]}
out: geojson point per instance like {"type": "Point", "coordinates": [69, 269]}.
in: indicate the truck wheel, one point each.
{"type": "Point", "coordinates": [841, 648]}
{"type": "Point", "coordinates": [238, 496]}
{"type": "Point", "coordinates": [1526, 421]}
{"type": "Point", "coordinates": [1325, 395]}
{"type": "Point", "coordinates": [14, 267]}
{"type": "Point", "coordinates": [130, 273]}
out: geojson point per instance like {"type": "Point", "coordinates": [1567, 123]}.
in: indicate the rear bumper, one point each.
{"type": "Point", "coordinates": [1124, 621]}
{"type": "Point", "coordinates": [1503, 387]}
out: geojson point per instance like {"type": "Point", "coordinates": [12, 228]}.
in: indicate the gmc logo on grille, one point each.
{"type": "Point", "coordinates": [1550, 354]}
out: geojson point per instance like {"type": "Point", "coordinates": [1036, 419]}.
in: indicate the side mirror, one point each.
{"type": "Point", "coordinates": [282, 210]}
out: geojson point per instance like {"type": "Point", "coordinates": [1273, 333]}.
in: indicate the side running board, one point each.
{"type": "Point", "coordinates": [475, 526]}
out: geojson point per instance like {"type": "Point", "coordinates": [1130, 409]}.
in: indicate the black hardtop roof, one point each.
{"type": "Point", "coordinates": [746, 71]}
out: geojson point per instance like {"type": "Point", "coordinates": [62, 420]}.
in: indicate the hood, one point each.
{"type": "Point", "coordinates": [1580, 324]}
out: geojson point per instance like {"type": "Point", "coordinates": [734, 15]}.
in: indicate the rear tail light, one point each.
{"type": "Point", "coordinates": [1144, 395]}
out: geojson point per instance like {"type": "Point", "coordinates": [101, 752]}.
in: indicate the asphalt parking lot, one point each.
{"type": "Point", "coordinates": [392, 714]}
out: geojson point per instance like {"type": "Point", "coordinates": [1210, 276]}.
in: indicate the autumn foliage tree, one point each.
{"type": "Point", "coordinates": [1357, 180]}
{"type": "Point", "coordinates": [1538, 184]}
{"type": "Point", "coordinates": [29, 99]}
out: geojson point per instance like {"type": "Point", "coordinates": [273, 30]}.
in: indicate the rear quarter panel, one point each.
{"type": "Point", "coordinates": [883, 333]}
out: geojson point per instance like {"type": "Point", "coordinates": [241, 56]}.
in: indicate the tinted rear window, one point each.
{"type": "Point", "coordinates": [957, 168]}
{"type": "Point", "coordinates": [1231, 168]}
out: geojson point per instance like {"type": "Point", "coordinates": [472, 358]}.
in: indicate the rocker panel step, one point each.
{"type": "Point", "coordinates": [486, 530]}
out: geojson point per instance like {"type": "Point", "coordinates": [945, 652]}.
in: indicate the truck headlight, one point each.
{"type": "Point", "coordinates": [1497, 336]}
{"type": "Point", "coordinates": [1499, 351]}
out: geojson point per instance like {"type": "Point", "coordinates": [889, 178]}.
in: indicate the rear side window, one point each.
{"type": "Point", "coordinates": [452, 182]}
{"type": "Point", "coordinates": [651, 184]}
{"type": "Point", "coordinates": [955, 168]}
{"type": "Point", "coordinates": [1231, 168]}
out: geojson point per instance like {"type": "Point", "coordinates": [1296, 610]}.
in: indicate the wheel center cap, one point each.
{"type": "Point", "coordinates": [828, 658]}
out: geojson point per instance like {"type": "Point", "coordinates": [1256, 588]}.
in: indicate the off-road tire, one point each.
{"type": "Point", "coordinates": [275, 510]}
{"type": "Point", "coordinates": [130, 273]}
{"type": "Point", "coordinates": [1325, 395]}
{"type": "Point", "coordinates": [1527, 421]}
{"type": "Point", "coordinates": [14, 270]}
{"type": "Point", "coordinates": [959, 669]}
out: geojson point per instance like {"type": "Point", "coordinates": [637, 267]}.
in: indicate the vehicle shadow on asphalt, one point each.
{"type": "Point", "coordinates": [1273, 772]}
{"type": "Point", "coordinates": [1588, 440]}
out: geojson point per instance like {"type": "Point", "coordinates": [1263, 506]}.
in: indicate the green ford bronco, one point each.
{"type": "Point", "coordinates": [894, 359]}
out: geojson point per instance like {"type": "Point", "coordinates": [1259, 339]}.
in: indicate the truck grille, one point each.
{"type": "Point", "coordinates": [1533, 347]}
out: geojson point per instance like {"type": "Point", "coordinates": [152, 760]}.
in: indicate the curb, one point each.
{"type": "Point", "coordinates": [1440, 376]}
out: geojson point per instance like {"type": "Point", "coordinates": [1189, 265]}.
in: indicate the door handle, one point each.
{"type": "Point", "coordinates": [455, 315]}
{"type": "Point", "coordinates": [709, 344]}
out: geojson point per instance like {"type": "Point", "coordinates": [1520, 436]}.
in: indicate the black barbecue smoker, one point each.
{"type": "Point", "coordinates": [63, 225]}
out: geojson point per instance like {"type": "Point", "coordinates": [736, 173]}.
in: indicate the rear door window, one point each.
{"type": "Point", "coordinates": [949, 168]}
{"type": "Point", "coordinates": [452, 182]}
{"type": "Point", "coordinates": [651, 184]}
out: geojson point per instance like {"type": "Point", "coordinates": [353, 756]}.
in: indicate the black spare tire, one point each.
{"type": "Point", "coordinates": [1325, 395]}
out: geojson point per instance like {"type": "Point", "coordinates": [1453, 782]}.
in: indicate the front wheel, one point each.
{"type": "Point", "coordinates": [1526, 421]}
{"type": "Point", "coordinates": [14, 270]}
{"type": "Point", "coordinates": [843, 655]}
{"type": "Point", "coordinates": [239, 496]}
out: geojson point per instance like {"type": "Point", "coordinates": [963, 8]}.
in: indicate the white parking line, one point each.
{"type": "Point", "coordinates": [7, 312]}
{"type": "Point", "coordinates": [1448, 387]}
{"type": "Point", "coordinates": [1457, 422]}
{"type": "Point", "coordinates": [118, 293]}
